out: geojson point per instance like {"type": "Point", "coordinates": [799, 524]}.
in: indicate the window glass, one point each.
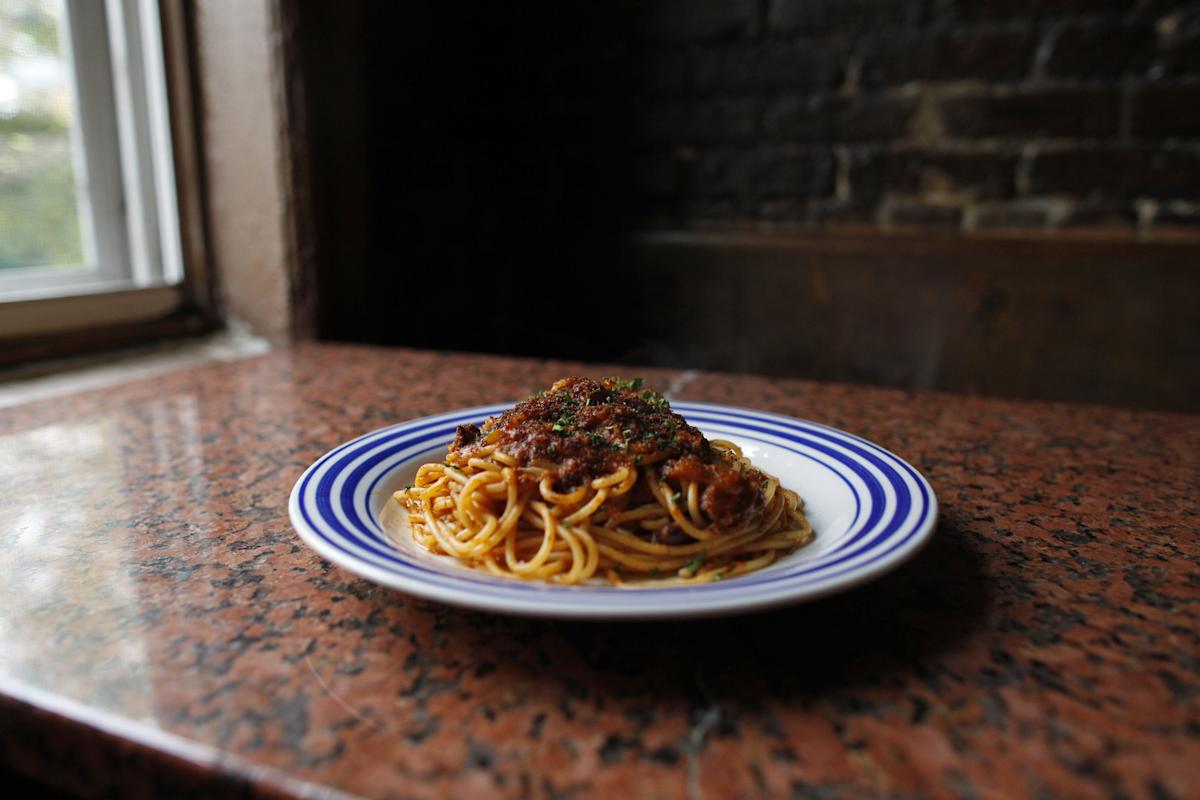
{"type": "Point", "coordinates": [39, 140]}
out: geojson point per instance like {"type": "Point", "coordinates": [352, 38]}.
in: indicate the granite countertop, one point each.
{"type": "Point", "coordinates": [163, 630]}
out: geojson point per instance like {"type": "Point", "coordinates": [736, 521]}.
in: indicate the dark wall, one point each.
{"type": "Point", "coordinates": [948, 115]}
{"type": "Point", "coordinates": [494, 154]}
{"type": "Point", "coordinates": [470, 174]}
{"type": "Point", "coordinates": [1107, 322]}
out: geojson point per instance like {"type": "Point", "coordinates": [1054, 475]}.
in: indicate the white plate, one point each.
{"type": "Point", "coordinates": [870, 510]}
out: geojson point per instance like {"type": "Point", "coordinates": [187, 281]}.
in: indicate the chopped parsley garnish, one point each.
{"type": "Point", "coordinates": [693, 566]}
{"type": "Point", "coordinates": [592, 427]}
{"type": "Point", "coordinates": [654, 398]}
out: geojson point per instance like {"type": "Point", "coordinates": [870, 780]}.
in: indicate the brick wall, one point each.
{"type": "Point", "coordinates": [964, 115]}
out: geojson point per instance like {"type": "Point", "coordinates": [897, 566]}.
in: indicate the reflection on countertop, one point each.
{"type": "Point", "coordinates": [151, 589]}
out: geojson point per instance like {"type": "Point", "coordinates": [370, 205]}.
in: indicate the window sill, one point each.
{"type": "Point", "coordinates": [41, 316]}
{"type": "Point", "coordinates": [50, 379]}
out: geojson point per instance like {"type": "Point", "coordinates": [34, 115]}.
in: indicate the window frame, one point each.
{"type": "Point", "coordinates": [140, 300]}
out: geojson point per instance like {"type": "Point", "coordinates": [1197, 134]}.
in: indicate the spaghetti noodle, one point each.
{"type": "Point", "coordinates": [601, 478]}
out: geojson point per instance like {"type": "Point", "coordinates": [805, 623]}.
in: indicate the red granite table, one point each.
{"type": "Point", "coordinates": [163, 631]}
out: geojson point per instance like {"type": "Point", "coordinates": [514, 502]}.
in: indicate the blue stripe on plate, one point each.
{"type": "Point", "coordinates": [364, 531]}
{"type": "Point", "coordinates": [377, 544]}
{"type": "Point", "coordinates": [389, 553]}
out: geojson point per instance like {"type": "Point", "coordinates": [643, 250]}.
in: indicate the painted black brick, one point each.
{"type": "Point", "coordinates": [812, 64]}
{"type": "Point", "coordinates": [1118, 172]}
{"type": "Point", "coordinates": [657, 175]}
{"type": "Point", "coordinates": [1010, 216]}
{"type": "Point", "coordinates": [663, 72]}
{"type": "Point", "coordinates": [1181, 50]}
{"type": "Point", "coordinates": [1067, 112]}
{"type": "Point", "coordinates": [1167, 111]}
{"type": "Point", "coordinates": [818, 16]}
{"type": "Point", "coordinates": [843, 213]}
{"type": "Point", "coordinates": [914, 172]}
{"type": "Point", "coordinates": [992, 10]}
{"type": "Point", "coordinates": [684, 122]}
{"type": "Point", "coordinates": [782, 209]}
{"type": "Point", "coordinates": [1105, 50]}
{"type": "Point", "coordinates": [1101, 214]}
{"type": "Point", "coordinates": [1176, 216]}
{"type": "Point", "coordinates": [722, 209]}
{"type": "Point", "coordinates": [769, 170]}
{"type": "Point", "coordinates": [926, 215]}
{"type": "Point", "coordinates": [839, 119]}
{"type": "Point", "coordinates": [994, 54]}
{"type": "Point", "coordinates": [740, 105]}
{"type": "Point", "coordinates": [696, 20]}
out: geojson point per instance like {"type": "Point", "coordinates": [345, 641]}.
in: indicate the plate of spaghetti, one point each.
{"type": "Point", "coordinates": [596, 498]}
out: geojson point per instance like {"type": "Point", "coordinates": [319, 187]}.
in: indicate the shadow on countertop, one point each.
{"type": "Point", "coordinates": [890, 632]}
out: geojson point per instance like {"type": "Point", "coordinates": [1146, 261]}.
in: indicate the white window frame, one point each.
{"type": "Point", "coordinates": [127, 195]}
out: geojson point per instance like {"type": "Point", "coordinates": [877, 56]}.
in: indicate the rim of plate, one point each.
{"type": "Point", "coordinates": [896, 515]}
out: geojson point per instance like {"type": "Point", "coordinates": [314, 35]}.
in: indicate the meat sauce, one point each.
{"type": "Point", "coordinates": [583, 429]}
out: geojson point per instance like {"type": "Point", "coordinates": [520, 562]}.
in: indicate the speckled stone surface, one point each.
{"type": "Point", "coordinates": [163, 631]}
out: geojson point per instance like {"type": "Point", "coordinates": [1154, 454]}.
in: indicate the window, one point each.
{"type": "Point", "coordinates": [87, 188]}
